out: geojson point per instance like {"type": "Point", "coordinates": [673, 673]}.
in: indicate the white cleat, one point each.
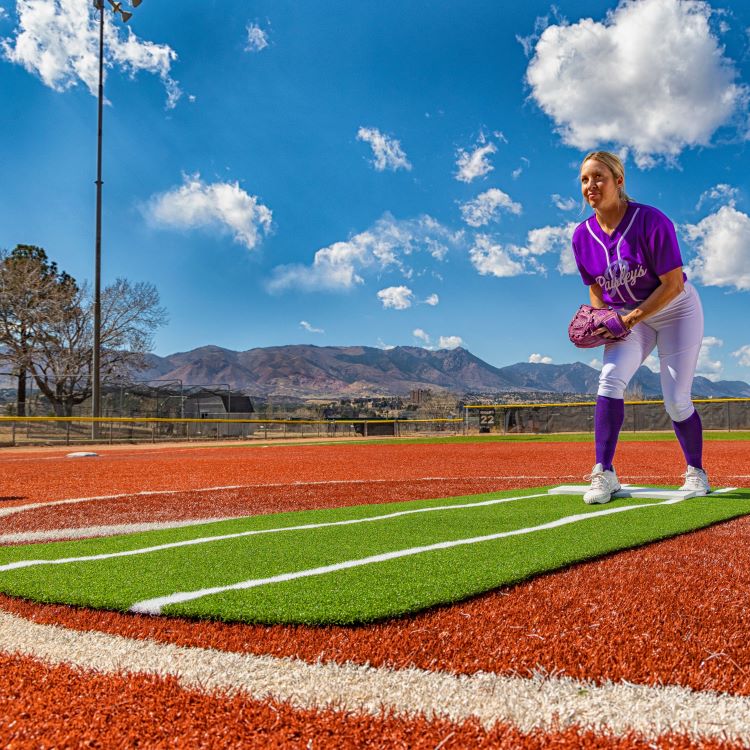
{"type": "Point", "coordinates": [604, 484]}
{"type": "Point", "coordinates": [695, 481]}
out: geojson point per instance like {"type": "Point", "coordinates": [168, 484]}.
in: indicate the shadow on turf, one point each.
{"type": "Point", "coordinates": [10, 498]}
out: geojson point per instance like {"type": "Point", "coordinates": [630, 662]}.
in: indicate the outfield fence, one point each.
{"type": "Point", "coordinates": [507, 419]}
{"type": "Point", "coordinates": [640, 416]}
{"type": "Point", "coordinates": [72, 430]}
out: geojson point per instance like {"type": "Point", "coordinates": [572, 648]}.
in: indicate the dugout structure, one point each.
{"type": "Point", "coordinates": [640, 416]}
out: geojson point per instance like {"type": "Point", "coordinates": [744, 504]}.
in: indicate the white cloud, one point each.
{"type": "Point", "coordinates": [503, 260]}
{"type": "Point", "coordinates": [652, 362]}
{"type": "Point", "coordinates": [707, 367]}
{"type": "Point", "coordinates": [220, 204]}
{"type": "Point", "coordinates": [721, 193]}
{"type": "Point", "coordinates": [444, 342]}
{"type": "Point", "coordinates": [473, 164]}
{"type": "Point", "coordinates": [382, 345]}
{"type": "Point", "coordinates": [422, 335]}
{"type": "Point", "coordinates": [539, 359]}
{"type": "Point", "coordinates": [486, 207]}
{"type": "Point", "coordinates": [722, 242]}
{"type": "Point", "coordinates": [450, 342]}
{"type": "Point", "coordinates": [396, 297]}
{"type": "Point", "coordinates": [557, 239]}
{"type": "Point", "coordinates": [386, 150]}
{"type": "Point", "coordinates": [388, 244]}
{"type": "Point", "coordinates": [596, 363]}
{"type": "Point", "coordinates": [540, 24]}
{"type": "Point", "coordinates": [549, 239]}
{"type": "Point", "coordinates": [257, 39]}
{"type": "Point", "coordinates": [438, 238]}
{"type": "Point", "coordinates": [674, 86]}
{"type": "Point", "coordinates": [58, 41]}
{"type": "Point", "coordinates": [564, 204]}
{"type": "Point", "coordinates": [743, 355]}
{"type": "Point", "coordinates": [491, 259]}
{"type": "Point", "coordinates": [334, 267]}
{"type": "Point", "coordinates": [517, 172]}
{"type": "Point", "coordinates": [432, 300]}
{"type": "Point", "coordinates": [309, 328]}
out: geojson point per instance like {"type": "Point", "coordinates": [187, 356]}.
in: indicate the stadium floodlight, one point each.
{"type": "Point", "coordinates": [117, 8]}
{"type": "Point", "coordinates": [96, 381]}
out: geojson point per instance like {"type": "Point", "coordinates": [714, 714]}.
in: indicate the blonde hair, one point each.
{"type": "Point", "coordinates": [614, 164]}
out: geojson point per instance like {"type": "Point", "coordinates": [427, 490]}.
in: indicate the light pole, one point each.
{"type": "Point", "coordinates": [96, 380]}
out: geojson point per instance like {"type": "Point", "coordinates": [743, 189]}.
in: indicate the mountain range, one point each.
{"type": "Point", "coordinates": [305, 371]}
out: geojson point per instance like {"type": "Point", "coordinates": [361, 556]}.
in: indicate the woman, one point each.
{"type": "Point", "coordinates": [628, 256]}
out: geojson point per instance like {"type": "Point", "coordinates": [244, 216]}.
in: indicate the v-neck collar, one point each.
{"type": "Point", "coordinates": [610, 238]}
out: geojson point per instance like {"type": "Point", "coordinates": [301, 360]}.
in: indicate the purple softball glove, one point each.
{"type": "Point", "coordinates": [588, 319]}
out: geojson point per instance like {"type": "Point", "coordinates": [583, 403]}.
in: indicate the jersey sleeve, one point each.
{"type": "Point", "coordinates": [663, 246]}
{"type": "Point", "coordinates": [587, 278]}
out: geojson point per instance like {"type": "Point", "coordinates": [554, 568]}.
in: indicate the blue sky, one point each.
{"type": "Point", "coordinates": [377, 173]}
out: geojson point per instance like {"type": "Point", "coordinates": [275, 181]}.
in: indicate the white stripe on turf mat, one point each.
{"type": "Point", "coordinates": [258, 532]}
{"type": "Point", "coordinates": [539, 703]}
{"type": "Point", "coordinates": [154, 606]}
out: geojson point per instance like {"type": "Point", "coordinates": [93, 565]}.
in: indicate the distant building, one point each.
{"type": "Point", "coordinates": [210, 404]}
{"type": "Point", "coordinates": [419, 395]}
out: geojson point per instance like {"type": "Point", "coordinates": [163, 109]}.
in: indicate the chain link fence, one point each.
{"type": "Point", "coordinates": [162, 411]}
{"type": "Point", "coordinates": [16, 431]}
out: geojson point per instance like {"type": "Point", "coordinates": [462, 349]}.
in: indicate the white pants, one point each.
{"type": "Point", "coordinates": [677, 333]}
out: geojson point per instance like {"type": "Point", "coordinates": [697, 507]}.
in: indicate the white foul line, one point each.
{"type": "Point", "coordinates": [144, 493]}
{"type": "Point", "coordinates": [312, 483]}
{"type": "Point", "coordinates": [257, 532]}
{"type": "Point", "coordinates": [540, 703]}
{"type": "Point", "coordinates": [322, 482]}
{"type": "Point", "coordinates": [87, 532]}
{"type": "Point", "coordinates": [154, 606]}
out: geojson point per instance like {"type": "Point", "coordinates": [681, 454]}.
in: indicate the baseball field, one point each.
{"type": "Point", "coordinates": [432, 594]}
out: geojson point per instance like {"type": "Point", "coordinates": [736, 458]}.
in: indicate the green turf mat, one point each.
{"type": "Point", "coordinates": [268, 547]}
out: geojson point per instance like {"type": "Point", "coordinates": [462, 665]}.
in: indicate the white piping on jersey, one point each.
{"type": "Point", "coordinates": [606, 255]}
{"type": "Point", "coordinates": [619, 256]}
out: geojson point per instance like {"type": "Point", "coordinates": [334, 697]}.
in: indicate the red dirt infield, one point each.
{"type": "Point", "coordinates": [672, 613]}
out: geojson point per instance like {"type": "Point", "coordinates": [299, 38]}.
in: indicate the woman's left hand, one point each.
{"type": "Point", "coordinates": [605, 332]}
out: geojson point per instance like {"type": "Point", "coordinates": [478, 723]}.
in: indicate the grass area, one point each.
{"type": "Point", "coordinates": [367, 592]}
{"type": "Point", "coordinates": [562, 437]}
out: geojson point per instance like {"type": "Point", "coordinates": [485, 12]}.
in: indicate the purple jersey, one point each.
{"type": "Point", "coordinates": [628, 264]}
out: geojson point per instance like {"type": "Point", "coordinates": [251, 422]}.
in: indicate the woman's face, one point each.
{"type": "Point", "coordinates": [600, 188]}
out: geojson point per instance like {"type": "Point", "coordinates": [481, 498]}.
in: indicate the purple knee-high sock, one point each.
{"type": "Point", "coordinates": [608, 418]}
{"type": "Point", "coordinates": [690, 436]}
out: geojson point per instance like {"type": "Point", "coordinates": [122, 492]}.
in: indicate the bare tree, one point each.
{"type": "Point", "coordinates": [438, 405]}
{"type": "Point", "coordinates": [634, 392]}
{"type": "Point", "coordinates": [32, 290]}
{"type": "Point", "coordinates": [46, 328]}
{"type": "Point", "coordinates": [62, 360]}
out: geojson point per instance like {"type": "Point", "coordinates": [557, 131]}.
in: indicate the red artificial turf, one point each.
{"type": "Point", "coordinates": [675, 612]}
{"type": "Point", "coordinates": [61, 707]}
